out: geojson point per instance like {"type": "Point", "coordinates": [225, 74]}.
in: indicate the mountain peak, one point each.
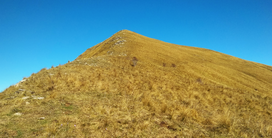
{"type": "Point", "coordinates": [124, 31]}
{"type": "Point", "coordinates": [142, 85]}
{"type": "Point", "coordinates": [113, 46]}
{"type": "Point", "coordinates": [129, 45]}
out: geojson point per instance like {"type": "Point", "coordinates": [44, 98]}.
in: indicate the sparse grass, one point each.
{"type": "Point", "coordinates": [104, 96]}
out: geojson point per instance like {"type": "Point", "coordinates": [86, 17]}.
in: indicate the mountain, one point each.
{"type": "Point", "coordinates": [133, 86]}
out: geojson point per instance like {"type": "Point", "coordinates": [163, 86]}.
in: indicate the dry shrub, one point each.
{"type": "Point", "coordinates": [198, 80]}
{"type": "Point", "coordinates": [134, 61]}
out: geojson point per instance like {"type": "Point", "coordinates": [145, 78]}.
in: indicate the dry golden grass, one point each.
{"type": "Point", "coordinates": [169, 91]}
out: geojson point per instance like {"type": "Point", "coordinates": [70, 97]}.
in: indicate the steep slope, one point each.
{"type": "Point", "coordinates": [131, 85]}
{"type": "Point", "coordinates": [221, 68]}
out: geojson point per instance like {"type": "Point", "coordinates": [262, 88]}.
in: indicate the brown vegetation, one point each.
{"type": "Point", "coordinates": [134, 61]}
{"type": "Point", "coordinates": [102, 95]}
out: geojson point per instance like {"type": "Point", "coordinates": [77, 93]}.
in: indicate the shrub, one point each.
{"type": "Point", "coordinates": [199, 80]}
{"type": "Point", "coordinates": [134, 61]}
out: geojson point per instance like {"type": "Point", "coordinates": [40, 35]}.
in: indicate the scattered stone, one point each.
{"type": "Point", "coordinates": [26, 97]}
{"type": "Point", "coordinates": [120, 42]}
{"type": "Point", "coordinates": [18, 84]}
{"type": "Point", "coordinates": [110, 52]}
{"type": "Point", "coordinates": [42, 118]}
{"type": "Point", "coordinates": [122, 54]}
{"type": "Point", "coordinates": [117, 38]}
{"type": "Point", "coordinates": [37, 97]}
{"type": "Point", "coordinates": [18, 114]}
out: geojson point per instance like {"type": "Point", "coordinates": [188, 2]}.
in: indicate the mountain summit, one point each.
{"type": "Point", "coordinates": [222, 68]}
{"type": "Point", "coordinates": [134, 86]}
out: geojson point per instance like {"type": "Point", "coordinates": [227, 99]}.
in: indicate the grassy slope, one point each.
{"type": "Point", "coordinates": [172, 91]}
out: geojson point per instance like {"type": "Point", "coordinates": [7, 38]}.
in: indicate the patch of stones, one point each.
{"type": "Point", "coordinates": [93, 61]}
{"type": "Point", "coordinates": [119, 43]}
{"type": "Point", "coordinates": [122, 54]}
{"type": "Point", "coordinates": [20, 114]}
{"type": "Point", "coordinates": [21, 91]}
{"type": "Point", "coordinates": [20, 82]}
{"type": "Point", "coordinates": [24, 92]}
{"type": "Point", "coordinates": [33, 97]}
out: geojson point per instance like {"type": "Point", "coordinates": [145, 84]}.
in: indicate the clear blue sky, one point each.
{"type": "Point", "coordinates": [40, 33]}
